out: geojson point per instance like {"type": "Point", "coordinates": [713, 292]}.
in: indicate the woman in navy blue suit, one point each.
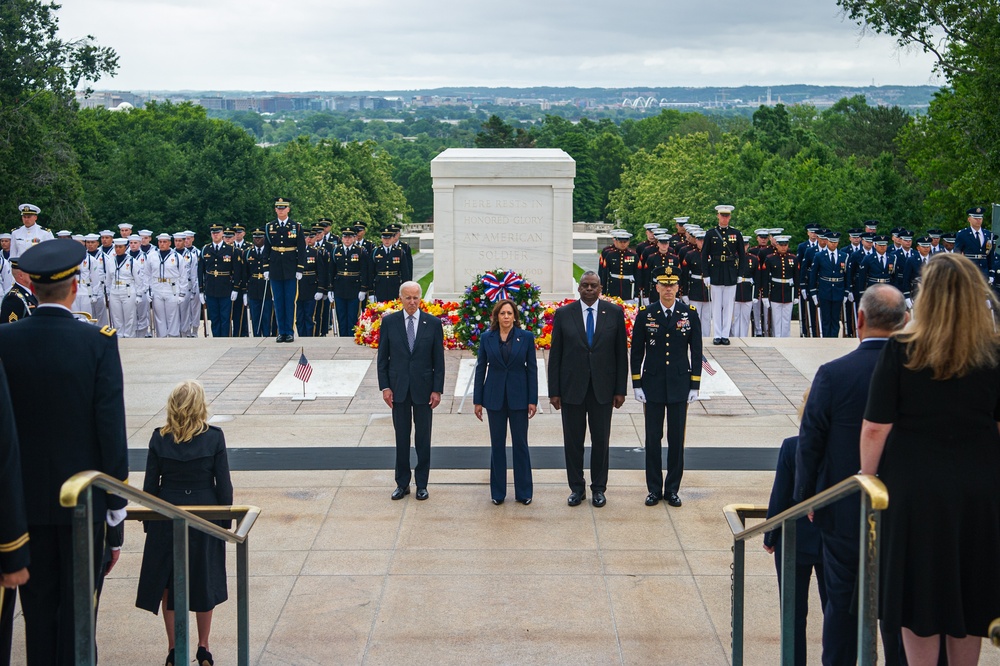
{"type": "Point", "coordinates": [507, 385]}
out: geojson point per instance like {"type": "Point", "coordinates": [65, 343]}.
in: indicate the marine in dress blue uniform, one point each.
{"type": "Point", "coordinates": [284, 250]}
{"type": "Point", "coordinates": [619, 268]}
{"type": "Point", "coordinates": [666, 376]}
{"type": "Point", "coordinates": [721, 255]}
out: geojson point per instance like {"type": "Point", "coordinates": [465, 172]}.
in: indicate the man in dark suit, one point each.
{"type": "Point", "coordinates": [588, 375]}
{"type": "Point", "coordinates": [61, 367]}
{"type": "Point", "coordinates": [14, 556]}
{"type": "Point", "coordinates": [829, 452]}
{"type": "Point", "coordinates": [411, 378]}
{"type": "Point", "coordinates": [667, 336]}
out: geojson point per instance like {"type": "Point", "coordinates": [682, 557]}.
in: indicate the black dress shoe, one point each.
{"type": "Point", "coordinates": [725, 342]}
{"type": "Point", "coordinates": [289, 338]}
{"type": "Point", "coordinates": [421, 494]}
{"type": "Point", "coordinates": [716, 341]}
{"type": "Point", "coordinates": [204, 657]}
{"type": "Point", "coordinates": [525, 502]}
{"type": "Point", "coordinates": [672, 499]}
{"type": "Point", "coordinates": [598, 500]}
{"type": "Point", "coordinates": [652, 499]}
{"type": "Point", "coordinates": [400, 493]}
{"type": "Point", "coordinates": [280, 338]}
{"type": "Point", "coordinates": [170, 658]}
{"type": "Point", "coordinates": [497, 502]}
{"type": "Point", "coordinates": [576, 498]}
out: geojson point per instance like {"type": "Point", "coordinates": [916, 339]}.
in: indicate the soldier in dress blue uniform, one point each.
{"type": "Point", "coordinates": [666, 377]}
{"type": "Point", "coordinates": [241, 327]}
{"type": "Point", "coordinates": [879, 267]}
{"type": "Point", "coordinates": [55, 360]}
{"type": "Point", "coordinates": [976, 243]}
{"type": "Point", "coordinates": [618, 268]}
{"type": "Point", "coordinates": [19, 302]}
{"type": "Point", "coordinates": [218, 274]}
{"type": "Point", "coordinates": [828, 285]}
{"type": "Point", "coordinates": [258, 294]}
{"type": "Point", "coordinates": [326, 244]}
{"type": "Point", "coordinates": [360, 229]}
{"type": "Point", "coordinates": [351, 276]}
{"type": "Point", "coordinates": [912, 269]}
{"type": "Point", "coordinates": [397, 229]}
{"type": "Point", "coordinates": [935, 236]}
{"type": "Point", "coordinates": [387, 267]}
{"type": "Point", "coordinates": [803, 254]}
{"type": "Point", "coordinates": [778, 285]}
{"type": "Point", "coordinates": [312, 289]}
{"type": "Point", "coordinates": [284, 251]}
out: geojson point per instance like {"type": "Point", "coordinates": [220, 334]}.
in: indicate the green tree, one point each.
{"type": "Point", "coordinates": [38, 78]}
{"type": "Point", "coordinates": [852, 127]}
{"type": "Point", "coordinates": [498, 134]}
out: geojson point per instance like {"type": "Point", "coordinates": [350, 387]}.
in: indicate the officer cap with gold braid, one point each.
{"type": "Point", "coordinates": [52, 261]}
{"type": "Point", "coordinates": [667, 277]}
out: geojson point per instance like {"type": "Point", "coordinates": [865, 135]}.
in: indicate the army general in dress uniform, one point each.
{"type": "Point", "coordinates": [284, 249]}
{"type": "Point", "coordinates": [666, 376]}
{"type": "Point", "coordinates": [67, 368]}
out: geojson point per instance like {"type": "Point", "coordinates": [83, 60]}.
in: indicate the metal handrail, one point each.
{"type": "Point", "coordinates": [994, 632]}
{"type": "Point", "coordinates": [874, 499]}
{"type": "Point", "coordinates": [77, 493]}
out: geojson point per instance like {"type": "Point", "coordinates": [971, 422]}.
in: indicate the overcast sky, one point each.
{"type": "Point", "coordinates": [294, 45]}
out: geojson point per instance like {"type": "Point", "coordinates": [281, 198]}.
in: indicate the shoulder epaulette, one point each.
{"type": "Point", "coordinates": [12, 318]}
{"type": "Point", "coordinates": [108, 331]}
{"type": "Point", "coordinates": [693, 308]}
{"type": "Point", "coordinates": [641, 308]}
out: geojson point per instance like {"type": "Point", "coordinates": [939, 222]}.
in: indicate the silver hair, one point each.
{"type": "Point", "coordinates": [884, 307]}
{"type": "Point", "coordinates": [411, 283]}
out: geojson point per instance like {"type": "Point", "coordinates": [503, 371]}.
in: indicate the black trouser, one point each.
{"type": "Point", "coordinates": [404, 415]}
{"type": "Point", "coordinates": [840, 618]}
{"type": "Point", "coordinates": [47, 597]}
{"type": "Point", "coordinates": [574, 422]}
{"type": "Point", "coordinates": [803, 572]}
{"type": "Point", "coordinates": [676, 422]}
{"type": "Point", "coordinates": [7, 624]}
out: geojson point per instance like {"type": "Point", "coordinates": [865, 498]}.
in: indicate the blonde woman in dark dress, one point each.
{"type": "Point", "coordinates": [931, 433]}
{"type": "Point", "coordinates": [186, 465]}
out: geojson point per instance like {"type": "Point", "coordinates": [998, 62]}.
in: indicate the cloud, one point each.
{"type": "Point", "coordinates": [392, 44]}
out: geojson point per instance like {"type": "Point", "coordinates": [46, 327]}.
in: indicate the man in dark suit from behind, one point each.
{"type": "Point", "coordinates": [411, 378]}
{"type": "Point", "coordinates": [829, 452]}
{"type": "Point", "coordinates": [588, 375]}
{"type": "Point", "coordinates": [60, 366]}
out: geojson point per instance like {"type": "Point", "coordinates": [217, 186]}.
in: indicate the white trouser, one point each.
{"type": "Point", "coordinates": [195, 304]}
{"type": "Point", "coordinates": [704, 310]}
{"type": "Point", "coordinates": [184, 324]}
{"type": "Point", "coordinates": [722, 309]}
{"type": "Point", "coordinates": [122, 302]}
{"type": "Point", "coordinates": [759, 318]}
{"type": "Point", "coordinates": [741, 319]}
{"type": "Point", "coordinates": [166, 313]}
{"type": "Point", "coordinates": [781, 319]}
{"type": "Point", "coordinates": [142, 315]}
{"type": "Point", "coordinates": [99, 310]}
{"type": "Point", "coordinates": [82, 302]}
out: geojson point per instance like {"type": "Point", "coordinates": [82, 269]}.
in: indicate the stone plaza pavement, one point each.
{"type": "Point", "coordinates": [342, 575]}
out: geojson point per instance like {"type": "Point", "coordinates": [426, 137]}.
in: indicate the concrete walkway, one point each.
{"type": "Point", "coordinates": [342, 575]}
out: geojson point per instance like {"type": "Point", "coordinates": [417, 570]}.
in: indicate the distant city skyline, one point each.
{"type": "Point", "coordinates": [306, 45]}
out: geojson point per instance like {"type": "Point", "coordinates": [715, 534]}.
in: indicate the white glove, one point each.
{"type": "Point", "coordinates": [201, 298]}
{"type": "Point", "coordinates": [850, 296]}
{"type": "Point", "coordinates": [246, 300]}
{"type": "Point", "coordinates": [815, 300]}
{"type": "Point", "coordinates": [805, 294]}
{"type": "Point", "coordinates": [795, 301]}
{"type": "Point", "coordinates": [318, 296]}
{"type": "Point", "coordinates": [767, 303]}
{"type": "Point", "coordinates": [137, 299]}
{"type": "Point", "coordinates": [708, 281]}
{"type": "Point", "coordinates": [692, 395]}
{"type": "Point", "coordinates": [234, 295]}
{"type": "Point", "coordinates": [371, 299]}
{"type": "Point", "coordinates": [755, 301]}
{"type": "Point", "coordinates": [267, 275]}
{"type": "Point", "coordinates": [909, 304]}
{"type": "Point", "coordinates": [991, 279]}
{"type": "Point", "coordinates": [180, 298]}
{"type": "Point", "coordinates": [94, 298]}
{"type": "Point", "coordinates": [298, 276]}
{"type": "Point", "coordinates": [361, 296]}
{"type": "Point", "coordinates": [640, 395]}
{"type": "Point", "coordinates": [845, 298]}
{"type": "Point", "coordinates": [330, 297]}
{"type": "Point", "coordinates": [116, 516]}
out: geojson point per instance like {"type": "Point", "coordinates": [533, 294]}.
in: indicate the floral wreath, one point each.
{"type": "Point", "coordinates": [485, 290]}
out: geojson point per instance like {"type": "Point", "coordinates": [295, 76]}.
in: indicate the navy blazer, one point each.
{"type": "Point", "coordinates": [517, 379]}
{"type": "Point", "coordinates": [830, 434]}
{"type": "Point", "coordinates": [807, 542]}
{"type": "Point", "coordinates": [573, 366]}
{"type": "Point", "coordinates": [418, 373]}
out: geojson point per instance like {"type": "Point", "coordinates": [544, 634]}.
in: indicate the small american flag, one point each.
{"type": "Point", "coordinates": [706, 366]}
{"type": "Point", "coordinates": [303, 370]}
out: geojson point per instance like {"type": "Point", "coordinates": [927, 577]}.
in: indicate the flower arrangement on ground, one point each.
{"type": "Point", "coordinates": [487, 289]}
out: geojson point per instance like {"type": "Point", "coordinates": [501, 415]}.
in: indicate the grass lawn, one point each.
{"type": "Point", "coordinates": [425, 282]}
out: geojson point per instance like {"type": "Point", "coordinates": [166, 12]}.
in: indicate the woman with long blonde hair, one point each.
{"type": "Point", "coordinates": [186, 465]}
{"type": "Point", "coordinates": [932, 433]}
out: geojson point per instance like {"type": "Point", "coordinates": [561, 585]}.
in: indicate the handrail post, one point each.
{"type": "Point", "coordinates": [243, 604]}
{"type": "Point", "coordinates": [739, 571]}
{"type": "Point", "coordinates": [181, 605]}
{"type": "Point", "coordinates": [868, 583]}
{"type": "Point", "coordinates": [788, 552]}
{"type": "Point", "coordinates": [83, 580]}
